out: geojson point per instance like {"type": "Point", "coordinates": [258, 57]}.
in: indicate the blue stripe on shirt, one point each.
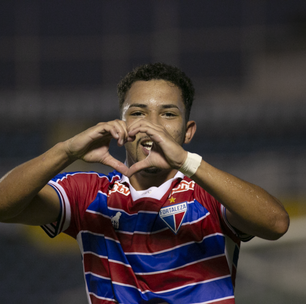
{"type": "Point", "coordinates": [99, 286]}
{"type": "Point", "coordinates": [142, 263]}
{"type": "Point", "coordinates": [194, 293]}
{"type": "Point", "coordinates": [145, 222]}
{"type": "Point", "coordinates": [209, 247]}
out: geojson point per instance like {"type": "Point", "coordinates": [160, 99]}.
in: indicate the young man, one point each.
{"type": "Point", "coordinates": [165, 226]}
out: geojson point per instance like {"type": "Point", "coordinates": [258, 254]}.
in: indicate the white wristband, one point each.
{"type": "Point", "coordinates": [191, 164]}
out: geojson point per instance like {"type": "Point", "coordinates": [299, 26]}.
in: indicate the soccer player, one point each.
{"type": "Point", "coordinates": [163, 227]}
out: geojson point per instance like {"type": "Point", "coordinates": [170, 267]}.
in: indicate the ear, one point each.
{"type": "Point", "coordinates": [191, 128]}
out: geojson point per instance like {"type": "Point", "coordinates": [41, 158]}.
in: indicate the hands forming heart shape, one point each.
{"type": "Point", "coordinates": [92, 146]}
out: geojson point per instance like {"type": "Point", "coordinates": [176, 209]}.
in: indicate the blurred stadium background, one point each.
{"type": "Point", "coordinates": [60, 62]}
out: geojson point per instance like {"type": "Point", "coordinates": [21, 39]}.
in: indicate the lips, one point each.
{"type": "Point", "coordinates": [147, 144]}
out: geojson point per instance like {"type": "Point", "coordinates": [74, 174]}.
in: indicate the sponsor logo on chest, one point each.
{"type": "Point", "coordinates": [119, 188]}
{"type": "Point", "coordinates": [174, 215]}
{"type": "Point", "coordinates": [183, 186]}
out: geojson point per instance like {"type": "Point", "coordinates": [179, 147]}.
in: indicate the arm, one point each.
{"type": "Point", "coordinates": [250, 209]}
{"type": "Point", "coordinates": [25, 197]}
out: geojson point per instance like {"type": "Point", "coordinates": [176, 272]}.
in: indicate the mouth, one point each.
{"type": "Point", "coordinates": [147, 144]}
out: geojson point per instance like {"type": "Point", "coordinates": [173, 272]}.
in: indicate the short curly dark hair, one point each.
{"type": "Point", "coordinates": [158, 71]}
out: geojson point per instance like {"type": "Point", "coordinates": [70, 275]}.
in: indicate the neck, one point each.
{"type": "Point", "coordinates": [144, 180]}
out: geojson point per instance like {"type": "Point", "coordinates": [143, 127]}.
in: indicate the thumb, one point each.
{"type": "Point", "coordinates": [116, 164]}
{"type": "Point", "coordinates": [143, 164]}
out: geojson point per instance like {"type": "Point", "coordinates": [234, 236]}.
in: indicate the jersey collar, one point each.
{"type": "Point", "coordinates": [152, 192]}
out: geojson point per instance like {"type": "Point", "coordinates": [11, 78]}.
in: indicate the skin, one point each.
{"type": "Point", "coordinates": [153, 111]}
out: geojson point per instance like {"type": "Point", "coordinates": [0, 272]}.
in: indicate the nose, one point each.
{"type": "Point", "coordinates": [154, 118]}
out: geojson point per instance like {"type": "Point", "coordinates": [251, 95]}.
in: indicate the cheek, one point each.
{"type": "Point", "coordinates": [177, 134]}
{"type": "Point", "coordinates": [181, 137]}
{"type": "Point", "coordinates": [128, 121]}
{"type": "Point", "coordinates": [128, 146]}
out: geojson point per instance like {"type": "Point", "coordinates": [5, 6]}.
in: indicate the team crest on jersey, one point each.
{"type": "Point", "coordinates": [173, 215]}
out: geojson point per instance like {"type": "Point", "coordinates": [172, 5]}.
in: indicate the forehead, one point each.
{"type": "Point", "coordinates": [154, 92]}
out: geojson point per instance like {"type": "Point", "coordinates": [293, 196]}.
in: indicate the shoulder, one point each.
{"type": "Point", "coordinates": [200, 194]}
{"type": "Point", "coordinates": [90, 176]}
{"type": "Point", "coordinates": [83, 183]}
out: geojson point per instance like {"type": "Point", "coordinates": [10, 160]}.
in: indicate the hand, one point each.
{"type": "Point", "coordinates": [92, 145]}
{"type": "Point", "coordinates": [166, 152]}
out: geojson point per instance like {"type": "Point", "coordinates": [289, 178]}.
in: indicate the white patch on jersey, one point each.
{"type": "Point", "coordinates": [115, 220]}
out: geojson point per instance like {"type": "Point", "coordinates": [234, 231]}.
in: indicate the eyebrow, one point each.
{"type": "Point", "coordinates": [137, 105]}
{"type": "Point", "coordinates": [164, 106]}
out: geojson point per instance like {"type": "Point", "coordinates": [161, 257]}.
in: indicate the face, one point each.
{"type": "Point", "coordinates": [159, 102]}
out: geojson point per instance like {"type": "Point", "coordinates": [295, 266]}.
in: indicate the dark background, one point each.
{"type": "Point", "coordinates": [60, 62]}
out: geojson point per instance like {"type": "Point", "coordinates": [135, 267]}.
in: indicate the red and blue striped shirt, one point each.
{"type": "Point", "coordinates": [168, 244]}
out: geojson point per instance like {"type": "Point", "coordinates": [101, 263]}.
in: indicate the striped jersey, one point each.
{"type": "Point", "coordinates": [167, 244]}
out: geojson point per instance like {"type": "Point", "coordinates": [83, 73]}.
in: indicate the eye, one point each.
{"type": "Point", "coordinates": [137, 113]}
{"type": "Point", "coordinates": [169, 114]}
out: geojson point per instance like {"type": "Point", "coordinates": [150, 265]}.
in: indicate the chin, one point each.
{"type": "Point", "coordinates": [152, 170]}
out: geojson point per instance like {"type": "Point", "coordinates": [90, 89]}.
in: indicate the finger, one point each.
{"type": "Point", "coordinates": [153, 131]}
{"type": "Point", "coordinates": [115, 164]}
{"type": "Point", "coordinates": [123, 136]}
{"type": "Point", "coordinates": [136, 124]}
{"type": "Point", "coordinates": [118, 131]}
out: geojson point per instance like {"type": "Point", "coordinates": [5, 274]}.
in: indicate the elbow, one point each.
{"type": "Point", "coordinates": [6, 214]}
{"type": "Point", "coordinates": [5, 218]}
{"type": "Point", "coordinates": [281, 226]}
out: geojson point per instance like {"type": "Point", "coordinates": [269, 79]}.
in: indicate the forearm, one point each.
{"type": "Point", "coordinates": [249, 208]}
{"type": "Point", "coordinates": [22, 184]}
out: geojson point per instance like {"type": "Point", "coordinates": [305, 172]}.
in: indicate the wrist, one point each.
{"type": "Point", "coordinates": [62, 153]}
{"type": "Point", "coordinates": [191, 164]}
{"type": "Point", "coordinates": [67, 150]}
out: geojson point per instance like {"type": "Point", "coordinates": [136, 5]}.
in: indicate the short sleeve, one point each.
{"type": "Point", "coordinates": [244, 237]}
{"type": "Point", "coordinates": [76, 191]}
{"type": "Point", "coordinates": [64, 218]}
